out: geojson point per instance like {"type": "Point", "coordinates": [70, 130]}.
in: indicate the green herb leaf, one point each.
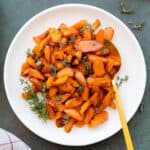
{"type": "Point", "coordinates": [104, 50]}
{"type": "Point", "coordinates": [54, 69]}
{"type": "Point", "coordinates": [86, 27]}
{"type": "Point", "coordinates": [28, 51]}
{"type": "Point", "coordinates": [125, 10]}
{"type": "Point", "coordinates": [136, 26]}
{"type": "Point", "coordinates": [71, 40]}
{"type": "Point", "coordinates": [87, 69]}
{"type": "Point", "coordinates": [84, 59]}
{"type": "Point", "coordinates": [120, 80]}
{"type": "Point", "coordinates": [80, 88]}
{"type": "Point", "coordinates": [65, 119]}
{"type": "Point", "coordinates": [65, 62]}
{"type": "Point", "coordinates": [58, 98]}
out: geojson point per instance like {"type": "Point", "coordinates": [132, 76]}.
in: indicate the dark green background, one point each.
{"type": "Point", "coordinates": [14, 13]}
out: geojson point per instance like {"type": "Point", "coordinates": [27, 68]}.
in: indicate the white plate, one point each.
{"type": "Point", "coordinates": [133, 64]}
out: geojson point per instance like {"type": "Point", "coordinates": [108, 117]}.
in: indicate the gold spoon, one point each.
{"type": "Point", "coordinates": [125, 129]}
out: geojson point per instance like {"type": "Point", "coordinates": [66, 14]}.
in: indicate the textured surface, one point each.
{"type": "Point", "coordinates": [14, 13]}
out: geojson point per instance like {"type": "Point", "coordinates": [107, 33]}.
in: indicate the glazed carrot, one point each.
{"type": "Point", "coordinates": [65, 72]}
{"type": "Point", "coordinates": [74, 114]}
{"type": "Point", "coordinates": [49, 82]}
{"type": "Point", "coordinates": [80, 78]}
{"type": "Point", "coordinates": [99, 81]}
{"type": "Point", "coordinates": [98, 119]}
{"type": "Point", "coordinates": [100, 36]}
{"type": "Point", "coordinates": [79, 124]}
{"type": "Point", "coordinates": [98, 68]}
{"type": "Point", "coordinates": [80, 24]}
{"type": "Point", "coordinates": [69, 125]}
{"type": "Point", "coordinates": [73, 102]}
{"type": "Point", "coordinates": [96, 24]}
{"type": "Point", "coordinates": [85, 106]}
{"type": "Point", "coordinates": [106, 101]}
{"type": "Point", "coordinates": [60, 81]}
{"type": "Point", "coordinates": [52, 91]}
{"type": "Point", "coordinates": [85, 93]}
{"type": "Point", "coordinates": [31, 61]}
{"type": "Point", "coordinates": [36, 74]}
{"type": "Point", "coordinates": [87, 34]}
{"type": "Point", "coordinates": [38, 84]}
{"type": "Point", "coordinates": [94, 99]}
{"type": "Point", "coordinates": [88, 46]}
{"type": "Point", "coordinates": [89, 114]}
{"type": "Point", "coordinates": [76, 64]}
{"type": "Point", "coordinates": [59, 115]}
{"type": "Point", "coordinates": [24, 67]}
{"type": "Point", "coordinates": [50, 110]}
{"type": "Point", "coordinates": [112, 105]}
{"type": "Point", "coordinates": [37, 40]}
{"type": "Point", "coordinates": [108, 33]}
{"type": "Point", "coordinates": [47, 54]}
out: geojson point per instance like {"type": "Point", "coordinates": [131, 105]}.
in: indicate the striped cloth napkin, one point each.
{"type": "Point", "coordinates": [8, 141]}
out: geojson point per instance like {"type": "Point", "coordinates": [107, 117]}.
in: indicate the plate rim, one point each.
{"type": "Point", "coordinates": [34, 17]}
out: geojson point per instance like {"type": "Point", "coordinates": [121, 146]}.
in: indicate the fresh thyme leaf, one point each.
{"type": "Point", "coordinates": [86, 27]}
{"type": "Point", "coordinates": [54, 69]}
{"type": "Point", "coordinates": [28, 51]}
{"type": "Point", "coordinates": [120, 80]}
{"type": "Point", "coordinates": [87, 69]}
{"type": "Point", "coordinates": [58, 98]}
{"type": "Point", "coordinates": [84, 59]}
{"type": "Point", "coordinates": [71, 40]}
{"type": "Point", "coordinates": [141, 108]}
{"type": "Point", "coordinates": [80, 88]}
{"type": "Point", "coordinates": [136, 26]}
{"type": "Point", "coordinates": [125, 10]}
{"type": "Point", "coordinates": [65, 62]}
{"type": "Point", "coordinates": [104, 50]}
{"type": "Point", "coordinates": [65, 119]}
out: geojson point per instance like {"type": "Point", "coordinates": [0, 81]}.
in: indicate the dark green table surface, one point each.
{"type": "Point", "coordinates": [14, 13]}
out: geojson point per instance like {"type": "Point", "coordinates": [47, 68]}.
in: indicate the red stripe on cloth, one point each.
{"type": "Point", "coordinates": [4, 144]}
{"type": "Point", "coordinates": [10, 140]}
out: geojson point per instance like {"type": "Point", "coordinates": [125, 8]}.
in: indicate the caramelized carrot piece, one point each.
{"type": "Point", "coordinates": [98, 68]}
{"type": "Point", "coordinates": [49, 82]}
{"type": "Point", "coordinates": [59, 123]}
{"type": "Point", "coordinates": [80, 78]}
{"type": "Point", "coordinates": [50, 110]}
{"type": "Point", "coordinates": [59, 115]}
{"type": "Point", "coordinates": [37, 40]}
{"type": "Point", "coordinates": [74, 114]}
{"type": "Point", "coordinates": [85, 106]}
{"type": "Point", "coordinates": [24, 67]}
{"type": "Point", "coordinates": [46, 40]}
{"type": "Point", "coordinates": [47, 54]}
{"type": "Point", "coordinates": [37, 83]}
{"type": "Point", "coordinates": [85, 93]}
{"type": "Point", "coordinates": [52, 92]}
{"type": "Point", "coordinates": [69, 125]}
{"type": "Point", "coordinates": [80, 24]}
{"type": "Point", "coordinates": [31, 61]}
{"type": "Point", "coordinates": [38, 49]}
{"type": "Point", "coordinates": [87, 34]}
{"type": "Point", "coordinates": [55, 35]}
{"type": "Point", "coordinates": [65, 72]}
{"type": "Point", "coordinates": [60, 81]}
{"type": "Point", "coordinates": [96, 24]}
{"type": "Point", "coordinates": [36, 74]}
{"type": "Point", "coordinates": [100, 36]}
{"type": "Point", "coordinates": [89, 115]}
{"type": "Point", "coordinates": [42, 35]}
{"type": "Point", "coordinates": [89, 46]}
{"type": "Point", "coordinates": [108, 33]}
{"type": "Point", "coordinates": [112, 105]}
{"type": "Point", "coordinates": [80, 124]}
{"type": "Point", "coordinates": [94, 99]}
{"type": "Point", "coordinates": [98, 119]}
{"type": "Point", "coordinates": [106, 101]}
{"type": "Point", "coordinates": [73, 102]}
{"type": "Point", "coordinates": [99, 81]}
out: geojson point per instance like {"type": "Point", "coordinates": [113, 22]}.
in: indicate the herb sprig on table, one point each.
{"type": "Point", "coordinates": [136, 26]}
{"type": "Point", "coordinates": [124, 9]}
{"type": "Point", "coordinates": [37, 103]}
